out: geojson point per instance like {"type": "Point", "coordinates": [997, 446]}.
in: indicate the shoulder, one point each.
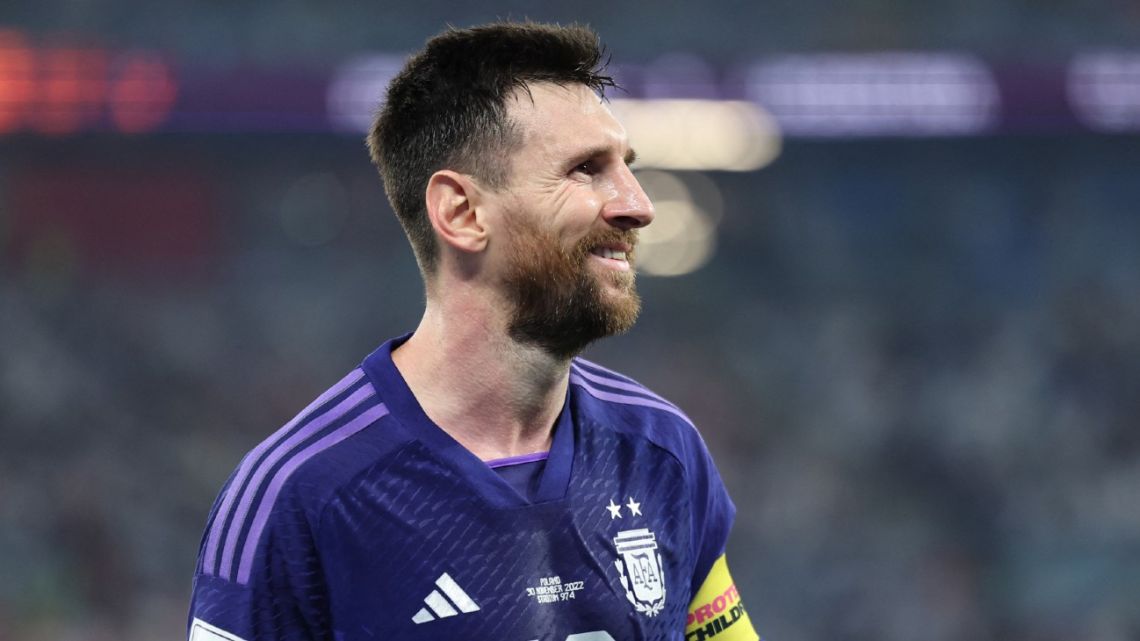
{"type": "Point", "coordinates": [624, 405]}
{"type": "Point", "coordinates": [326, 441]}
{"type": "Point", "coordinates": [286, 479]}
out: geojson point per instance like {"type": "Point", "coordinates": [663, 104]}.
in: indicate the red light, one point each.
{"type": "Point", "coordinates": [142, 94]}
{"type": "Point", "coordinates": [72, 90]}
{"type": "Point", "coordinates": [17, 82]}
{"type": "Point", "coordinates": [63, 90]}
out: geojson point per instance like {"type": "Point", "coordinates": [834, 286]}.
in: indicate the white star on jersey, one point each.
{"type": "Point", "coordinates": [634, 507]}
{"type": "Point", "coordinates": [615, 510]}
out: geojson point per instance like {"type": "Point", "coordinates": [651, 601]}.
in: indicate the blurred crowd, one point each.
{"type": "Point", "coordinates": [916, 363]}
{"type": "Point", "coordinates": [307, 32]}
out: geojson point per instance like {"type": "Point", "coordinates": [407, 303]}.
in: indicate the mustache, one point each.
{"type": "Point", "coordinates": [611, 236]}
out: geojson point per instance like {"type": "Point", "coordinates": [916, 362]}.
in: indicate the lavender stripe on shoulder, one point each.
{"type": "Point", "coordinates": [618, 383]}
{"type": "Point", "coordinates": [280, 452]}
{"type": "Point", "coordinates": [249, 551]}
{"type": "Point", "coordinates": [628, 400]}
{"type": "Point", "coordinates": [602, 370]}
{"type": "Point", "coordinates": [209, 559]}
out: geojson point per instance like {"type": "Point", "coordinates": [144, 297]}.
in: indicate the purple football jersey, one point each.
{"type": "Point", "coordinates": [361, 519]}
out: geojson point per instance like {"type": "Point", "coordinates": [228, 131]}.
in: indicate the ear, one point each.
{"type": "Point", "coordinates": [451, 206]}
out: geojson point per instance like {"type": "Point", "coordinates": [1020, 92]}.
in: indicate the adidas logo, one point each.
{"type": "Point", "coordinates": [439, 606]}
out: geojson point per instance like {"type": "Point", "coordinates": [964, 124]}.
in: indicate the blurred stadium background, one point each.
{"type": "Point", "coordinates": [895, 278]}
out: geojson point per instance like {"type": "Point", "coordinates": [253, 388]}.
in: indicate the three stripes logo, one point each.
{"type": "Point", "coordinates": [442, 603]}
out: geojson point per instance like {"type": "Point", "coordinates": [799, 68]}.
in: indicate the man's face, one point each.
{"type": "Point", "coordinates": [571, 213]}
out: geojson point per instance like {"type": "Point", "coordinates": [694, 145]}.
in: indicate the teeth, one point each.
{"type": "Point", "coordinates": [609, 253]}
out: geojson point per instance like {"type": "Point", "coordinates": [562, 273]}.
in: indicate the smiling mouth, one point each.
{"type": "Point", "coordinates": [612, 254]}
{"type": "Point", "coordinates": [613, 249]}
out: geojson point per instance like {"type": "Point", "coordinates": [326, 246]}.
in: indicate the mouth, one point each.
{"type": "Point", "coordinates": [613, 255]}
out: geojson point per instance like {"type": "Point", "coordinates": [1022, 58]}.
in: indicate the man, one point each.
{"type": "Point", "coordinates": [475, 479]}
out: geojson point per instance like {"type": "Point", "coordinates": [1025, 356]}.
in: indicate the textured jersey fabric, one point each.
{"type": "Point", "coordinates": [361, 519]}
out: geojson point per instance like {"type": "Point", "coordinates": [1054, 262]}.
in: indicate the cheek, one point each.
{"type": "Point", "coordinates": [581, 210]}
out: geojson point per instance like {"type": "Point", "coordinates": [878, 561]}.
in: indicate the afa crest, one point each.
{"type": "Point", "coordinates": [641, 570]}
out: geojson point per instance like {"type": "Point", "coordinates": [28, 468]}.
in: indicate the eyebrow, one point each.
{"type": "Point", "coordinates": [630, 156]}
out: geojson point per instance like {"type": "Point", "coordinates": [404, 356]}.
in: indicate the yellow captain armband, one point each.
{"type": "Point", "coordinates": [716, 613]}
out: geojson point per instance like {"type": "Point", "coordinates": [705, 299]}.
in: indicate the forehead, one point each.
{"type": "Point", "coordinates": [559, 120]}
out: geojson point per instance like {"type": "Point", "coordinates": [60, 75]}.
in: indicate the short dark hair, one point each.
{"type": "Point", "coordinates": [447, 109]}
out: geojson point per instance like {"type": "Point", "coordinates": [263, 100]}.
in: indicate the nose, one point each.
{"type": "Point", "coordinates": [629, 207]}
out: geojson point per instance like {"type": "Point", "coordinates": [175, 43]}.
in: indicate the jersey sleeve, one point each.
{"type": "Point", "coordinates": [275, 591]}
{"type": "Point", "coordinates": [713, 512]}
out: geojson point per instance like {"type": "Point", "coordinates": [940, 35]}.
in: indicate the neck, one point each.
{"type": "Point", "coordinates": [494, 396]}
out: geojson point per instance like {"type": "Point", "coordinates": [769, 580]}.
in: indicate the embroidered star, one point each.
{"type": "Point", "coordinates": [634, 507]}
{"type": "Point", "coordinates": [615, 510]}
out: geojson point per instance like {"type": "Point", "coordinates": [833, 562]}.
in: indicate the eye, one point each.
{"type": "Point", "coordinates": [587, 168]}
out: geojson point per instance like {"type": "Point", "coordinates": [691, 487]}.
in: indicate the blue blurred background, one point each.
{"type": "Point", "coordinates": [895, 278]}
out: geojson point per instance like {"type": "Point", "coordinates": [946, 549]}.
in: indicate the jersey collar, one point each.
{"type": "Point", "coordinates": [405, 408]}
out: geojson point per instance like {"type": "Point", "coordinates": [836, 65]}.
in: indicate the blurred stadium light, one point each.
{"type": "Point", "coordinates": [682, 237]}
{"type": "Point", "coordinates": [728, 135]}
{"type": "Point", "coordinates": [356, 89]}
{"type": "Point", "coordinates": [1104, 90]}
{"type": "Point", "coordinates": [59, 90]}
{"type": "Point", "coordinates": [902, 94]}
{"type": "Point", "coordinates": [688, 113]}
{"type": "Point", "coordinates": [142, 93]}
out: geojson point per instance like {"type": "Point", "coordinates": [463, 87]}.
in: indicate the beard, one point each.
{"type": "Point", "coordinates": [559, 303]}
